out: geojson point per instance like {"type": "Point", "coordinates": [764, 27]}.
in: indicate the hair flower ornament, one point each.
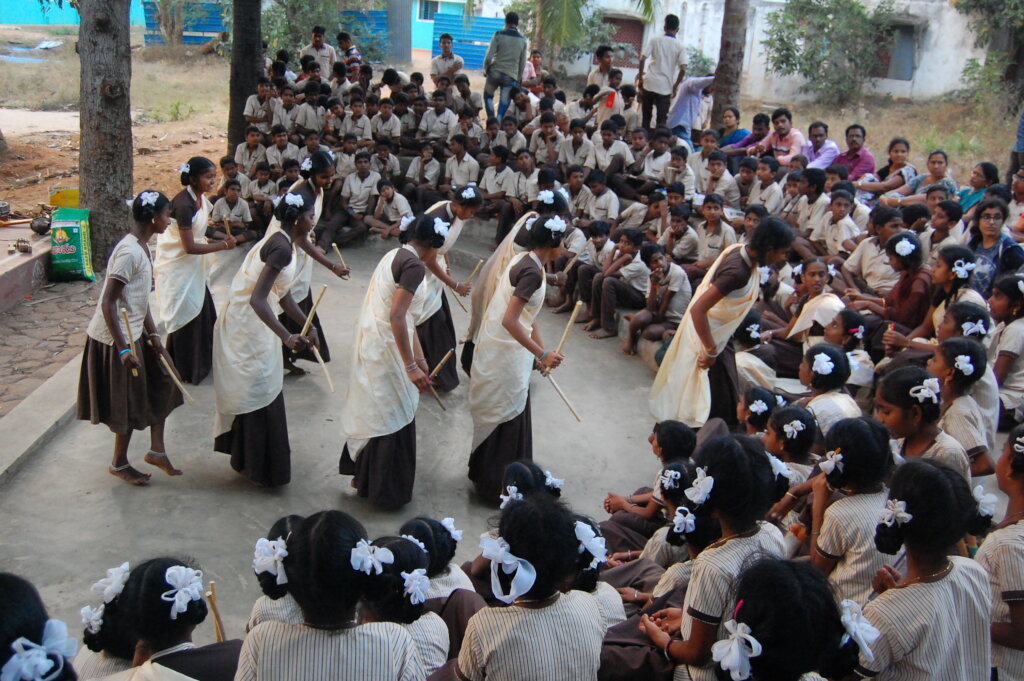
{"type": "Point", "coordinates": [416, 585]}
{"type": "Point", "coordinates": [513, 495]}
{"type": "Point", "coordinates": [700, 490]}
{"type": "Point", "coordinates": [268, 556]}
{"type": "Point", "coordinates": [823, 364]}
{"type": "Point", "coordinates": [798, 270]}
{"type": "Point", "coordinates": [441, 228]}
{"type": "Point", "coordinates": [552, 482]}
{"type": "Point", "coordinates": [92, 618]}
{"type": "Point", "coordinates": [962, 269]}
{"type": "Point", "coordinates": [293, 200]}
{"type": "Point", "coordinates": [833, 461]}
{"type": "Point", "coordinates": [468, 193]}
{"type": "Point", "coordinates": [186, 586]}
{"type": "Point", "coordinates": [417, 542]}
{"type": "Point", "coordinates": [370, 559]}
{"type": "Point", "coordinates": [449, 524]}
{"type": "Point", "coordinates": [184, 168]}
{"type": "Point", "coordinates": [755, 331]}
{"type": "Point", "coordinates": [974, 328]}
{"type": "Point", "coordinates": [793, 428]}
{"type": "Point", "coordinates": [31, 661]}
{"type": "Point", "coordinates": [963, 365]}
{"type": "Point", "coordinates": [733, 653]}
{"type": "Point", "coordinates": [895, 513]}
{"type": "Point", "coordinates": [779, 467]}
{"type": "Point", "coordinates": [556, 224]}
{"type": "Point", "coordinates": [404, 223]}
{"type": "Point", "coordinates": [546, 196]}
{"type": "Point", "coordinates": [905, 247]}
{"type": "Point", "coordinates": [765, 272]}
{"type": "Point", "coordinates": [857, 332]}
{"type": "Point", "coordinates": [148, 198]}
{"type": "Point", "coordinates": [684, 521]}
{"type": "Point", "coordinates": [497, 551]}
{"type": "Point", "coordinates": [928, 390]}
{"type": "Point", "coordinates": [669, 478]}
{"type": "Point", "coordinates": [758, 407]}
{"type": "Point", "coordinates": [590, 542]}
{"type": "Point", "coordinates": [113, 584]}
{"type": "Point", "coordinates": [307, 164]}
{"type": "Point", "coordinates": [780, 400]}
{"type": "Point", "coordinates": [986, 502]}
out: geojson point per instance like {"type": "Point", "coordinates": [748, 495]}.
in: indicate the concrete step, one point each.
{"type": "Point", "coordinates": [22, 273]}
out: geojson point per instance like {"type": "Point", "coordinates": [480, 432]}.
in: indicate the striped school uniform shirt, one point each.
{"type": "Point", "coordinates": [557, 642]}
{"type": "Point", "coordinates": [1002, 556]}
{"type": "Point", "coordinates": [934, 631]}
{"type": "Point", "coordinates": [266, 609]}
{"type": "Point", "coordinates": [430, 634]}
{"type": "Point", "coordinates": [657, 549]}
{"type": "Point", "coordinates": [964, 422]}
{"type": "Point", "coordinates": [943, 449]}
{"type": "Point", "coordinates": [848, 536]}
{"type": "Point", "coordinates": [675, 577]}
{"type": "Point", "coordinates": [709, 597]}
{"type": "Point", "coordinates": [377, 651]}
{"type": "Point", "coordinates": [442, 586]}
{"type": "Point", "coordinates": [610, 603]}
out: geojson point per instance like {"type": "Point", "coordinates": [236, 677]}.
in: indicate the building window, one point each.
{"type": "Point", "coordinates": [428, 8]}
{"type": "Point", "coordinates": [898, 53]}
{"type": "Point", "coordinates": [630, 32]}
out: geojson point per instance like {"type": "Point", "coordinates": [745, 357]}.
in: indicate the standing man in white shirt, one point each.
{"type": "Point", "coordinates": [667, 60]}
{"type": "Point", "coordinates": [321, 51]}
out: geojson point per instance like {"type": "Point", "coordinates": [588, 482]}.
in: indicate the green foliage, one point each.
{"type": "Point", "coordinates": [956, 143]}
{"type": "Point", "coordinates": [698, 63]}
{"type": "Point", "coordinates": [836, 45]}
{"type": "Point", "coordinates": [286, 25]}
{"type": "Point", "coordinates": [985, 85]}
{"type": "Point", "coordinates": [179, 112]}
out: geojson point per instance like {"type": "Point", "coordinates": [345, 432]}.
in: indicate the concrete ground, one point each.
{"type": "Point", "coordinates": [69, 520]}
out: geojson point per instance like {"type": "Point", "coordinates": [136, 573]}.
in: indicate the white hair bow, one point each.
{"type": "Point", "coordinates": [31, 662]}
{"type": "Point", "coordinates": [556, 224]}
{"type": "Point", "coordinates": [1018, 445]}
{"type": "Point", "coordinates": [552, 482]}
{"type": "Point", "coordinates": [962, 269]}
{"type": "Point", "coordinates": [963, 363]}
{"type": "Point", "coordinates": [684, 521]}
{"type": "Point", "coordinates": [184, 168]}
{"type": "Point", "coordinates": [449, 524]}
{"type": "Point", "coordinates": [293, 200]}
{"type": "Point", "coordinates": [468, 193]}
{"type": "Point", "coordinates": [441, 228]}
{"type": "Point", "coordinates": [268, 556]}
{"type": "Point", "coordinates": [894, 513]}
{"type": "Point", "coordinates": [986, 502]}
{"type": "Point", "coordinates": [928, 390]}
{"type": "Point", "coordinates": [513, 495]}
{"type": "Point", "coordinates": [832, 271]}
{"type": "Point", "coordinates": [733, 654]}
{"type": "Point", "coordinates": [833, 461]}
{"type": "Point", "coordinates": [307, 164]}
{"type": "Point", "coordinates": [187, 587]}
{"type": "Point", "coordinates": [415, 541]}
{"type": "Point", "coordinates": [798, 270]}
{"type": "Point", "coordinates": [766, 274]}
{"type": "Point", "coordinates": [368, 558]}
{"type": "Point", "coordinates": [497, 551]}
{"type": "Point", "coordinates": [755, 331]}
{"type": "Point", "coordinates": [416, 585]}
{"type": "Point", "coordinates": [780, 400]}
{"type": "Point", "coordinates": [974, 328]}
{"type": "Point", "coordinates": [404, 223]}
{"type": "Point", "coordinates": [113, 584]}
{"type": "Point", "coordinates": [858, 628]}
{"type": "Point", "coordinates": [701, 488]}
{"type": "Point", "coordinates": [793, 428]}
{"type": "Point", "coordinates": [92, 618]}
{"type": "Point", "coordinates": [905, 247]}
{"type": "Point", "coordinates": [546, 196]}
{"type": "Point", "coordinates": [1020, 285]}
{"type": "Point", "coordinates": [779, 467]}
{"type": "Point", "coordinates": [528, 225]}
{"type": "Point", "coordinates": [148, 198]}
{"type": "Point", "coordinates": [823, 364]}
{"type": "Point", "coordinates": [758, 407]}
{"type": "Point", "coordinates": [669, 478]}
{"type": "Point", "coordinates": [589, 541]}
{"type": "Point", "coordinates": [858, 332]}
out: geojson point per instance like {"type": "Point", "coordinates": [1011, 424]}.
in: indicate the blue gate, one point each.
{"type": "Point", "coordinates": [470, 41]}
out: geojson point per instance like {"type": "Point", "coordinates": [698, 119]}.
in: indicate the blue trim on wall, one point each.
{"type": "Point", "coordinates": [30, 13]}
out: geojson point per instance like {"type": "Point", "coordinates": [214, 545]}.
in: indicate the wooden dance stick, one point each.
{"type": "Point", "coordinates": [327, 374]}
{"type": "Point", "coordinates": [218, 623]}
{"type": "Point", "coordinates": [479, 264]}
{"type": "Point", "coordinates": [564, 398]}
{"type": "Point", "coordinates": [440, 365]}
{"type": "Point", "coordinates": [227, 226]}
{"type": "Point", "coordinates": [458, 299]}
{"type": "Point", "coordinates": [436, 396]}
{"type": "Point", "coordinates": [177, 380]}
{"type": "Point", "coordinates": [128, 333]}
{"type": "Point", "coordinates": [572, 320]}
{"type": "Point", "coordinates": [312, 311]}
{"type": "Point", "coordinates": [337, 252]}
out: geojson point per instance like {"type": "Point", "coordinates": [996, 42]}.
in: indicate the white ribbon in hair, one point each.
{"type": "Point", "coordinates": [552, 482]}
{"type": "Point", "coordinates": [368, 558]}
{"type": "Point", "coordinates": [513, 495]}
{"type": "Point", "coordinates": [798, 270]}
{"type": "Point", "coordinates": [307, 164]}
{"type": "Point", "coordinates": [963, 364]}
{"type": "Point", "coordinates": [497, 551]}
{"type": "Point", "coordinates": [974, 328]}
{"type": "Point", "coordinates": [758, 407]}
{"type": "Point", "coordinates": [779, 467]}
{"type": "Point", "coordinates": [986, 502]}
{"type": "Point", "coordinates": [468, 193]}
{"type": "Point", "coordinates": [684, 521]}
{"type": "Point", "coordinates": [268, 556]}
{"type": "Point", "coordinates": [780, 400]}
{"type": "Point", "coordinates": [858, 332]}
{"type": "Point", "coordinates": [416, 541]}
{"type": "Point", "coordinates": [449, 524]}
{"type": "Point", "coordinates": [832, 271]}
{"type": "Point", "coordinates": [404, 223]}
{"type": "Point", "coordinates": [185, 168]}
{"type": "Point", "coordinates": [330, 155]}
{"type": "Point", "coordinates": [1020, 285]}
{"type": "Point", "coordinates": [590, 542]}
{"type": "Point", "coordinates": [546, 196]}
{"type": "Point", "coordinates": [416, 585]}
{"type": "Point", "coordinates": [755, 331]}
{"type": "Point", "coordinates": [187, 587]}
{"type": "Point", "coordinates": [556, 224]}
{"type": "Point", "coordinates": [1018, 445]}
{"type": "Point", "coordinates": [31, 662]}
{"type": "Point", "coordinates": [894, 513]}
{"type": "Point", "coordinates": [277, 201]}
{"type": "Point", "coordinates": [733, 654]}
{"type": "Point", "coordinates": [92, 618]}
{"type": "Point", "coordinates": [833, 461]}
{"type": "Point", "coordinates": [669, 478]}
{"type": "Point", "coordinates": [766, 274]}
{"type": "Point", "coordinates": [148, 198]}
{"type": "Point", "coordinates": [113, 584]}
{"type": "Point", "coordinates": [858, 628]}
{"type": "Point", "coordinates": [528, 225]}
{"type": "Point", "coordinates": [962, 269]}
{"type": "Point", "coordinates": [793, 428]}
{"type": "Point", "coordinates": [441, 228]}
{"type": "Point", "coordinates": [904, 247]}
{"type": "Point", "coordinates": [293, 200]}
{"type": "Point", "coordinates": [701, 488]}
{"type": "Point", "coordinates": [928, 390]}
{"type": "Point", "coordinates": [822, 364]}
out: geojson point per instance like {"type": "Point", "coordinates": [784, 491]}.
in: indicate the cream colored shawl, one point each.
{"type": "Point", "coordinates": [181, 277]}
{"type": "Point", "coordinates": [491, 272]}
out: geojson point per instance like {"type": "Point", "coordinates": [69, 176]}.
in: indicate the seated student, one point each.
{"type": "Point", "coordinates": [285, 113]}
{"type": "Point", "coordinates": [459, 170]}
{"type": "Point", "coordinates": [422, 176]}
{"type": "Point", "coordinates": [331, 134]}
{"type": "Point", "coordinates": [229, 170]}
{"type": "Point", "coordinates": [790, 195]}
{"type": "Point", "coordinates": [650, 216]}
{"type": "Point", "coordinates": [638, 144]}
{"type": "Point", "coordinates": [547, 185]}
{"type": "Point", "coordinates": [997, 254]}
{"type": "Point", "coordinates": [260, 107]}
{"type": "Point", "coordinates": [745, 226]}
{"type": "Point", "coordinates": [630, 111]}
{"type": "Point", "coordinates": [765, 191]}
{"type": "Point", "coordinates": [646, 173]}
{"type": "Point", "coordinates": [469, 126]}
{"type": "Point", "coordinates": [746, 174]}
{"type": "Point", "coordinates": [714, 235]}
{"type": "Point", "coordinates": [667, 300]}
{"type": "Point", "coordinates": [307, 115]}
{"type": "Point", "coordinates": [289, 175]}
{"type": "Point", "coordinates": [276, 604]}
{"type": "Point", "coordinates": [675, 194]}
{"type": "Point", "coordinates": [390, 211]}
{"type": "Point", "coordinates": [357, 191]}
{"type": "Point", "coordinates": [344, 160]}
{"type": "Point", "coordinates": [340, 84]}
{"type": "Point", "coordinates": [868, 269]}
{"type": "Point", "coordinates": [437, 122]}
{"type": "Point", "coordinates": [593, 557]}
{"type": "Point", "coordinates": [231, 210]}
{"type": "Point", "coordinates": [280, 150]}
{"type": "Point", "coordinates": [790, 445]}
{"type": "Point", "coordinates": [720, 181]}
{"type": "Point", "coordinates": [699, 161]}
{"type": "Point", "coordinates": [521, 108]}
{"type": "Point", "coordinates": [680, 240]}
{"type": "Point", "coordinates": [611, 155]}
{"type": "Point", "coordinates": [623, 282]}
{"type": "Point", "coordinates": [545, 105]}
{"type": "Point", "coordinates": [959, 363]}
{"type": "Point", "coordinates": [465, 98]}
{"type": "Point", "coordinates": [753, 411]}
{"type": "Point", "coordinates": [510, 137]}
{"type": "Point", "coordinates": [545, 142]}
{"type": "Point", "coordinates": [311, 146]}
{"type": "Point", "coordinates": [386, 124]}
{"type": "Point", "coordinates": [251, 151]}
{"type": "Point", "coordinates": [579, 194]}
{"type": "Point", "coordinates": [945, 217]}
{"type": "Point", "coordinates": [847, 330]}
{"type": "Point", "coordinates": [825, 369]}
{"type": "Point", "coordinates": [384, 162]}
{"type": "Point", "coordinates": [590, 263]}
{"type": "Point", "coordinates": [497, 183]}
{"type": "Point", "coordinates": [609, 99]}
{"type": "Point", "coordinates": [604, 207]}
{"type": "Point", "coordinates": [812, 210]}
{"type": "Point", "coordinates": [836, 235]}
{"type": "Point", "coordinates": [1006, 347]}
{"type": "Point", "coordinates": [358, 124]}
{"type": "Point", "coordinates": [411, 119]}
{"type": "Point", "coordinates": [678, 172]}
{"type": "Point", "coordinates": [108, 639]}
{"type": "Point", "coordinates": [584, 108]}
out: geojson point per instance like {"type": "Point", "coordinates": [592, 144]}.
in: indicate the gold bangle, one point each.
{"type": "Point", "coordinates": [790, 494]}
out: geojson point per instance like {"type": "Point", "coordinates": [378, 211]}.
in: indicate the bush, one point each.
{"type": "Point", "coordinates": [698, 63]}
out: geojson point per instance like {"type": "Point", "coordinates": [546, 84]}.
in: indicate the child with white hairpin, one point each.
{"type": "Point", "coordinates": [847, 330]}
{"type": "Point", "coordinates": [959, 363]}
{"type": "Point", "coordinates": [825, 369]}
{"type": "Point", "coordinates": [108, 641]}
{"type": "Point", "coordinates": [33, 647]}
{"type": "Point", "coordinates": [1006, 353]}
{"type": "Point", "coordinates": [276, 604]}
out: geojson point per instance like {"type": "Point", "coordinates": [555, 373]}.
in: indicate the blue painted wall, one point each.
{"type": "Point", "coordinates": [423, 31]}
{"type": "Point", "coordinates": [30, 12]}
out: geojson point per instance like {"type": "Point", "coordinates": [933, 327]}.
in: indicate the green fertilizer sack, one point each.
{"type": "Point", "coordinates": [70, 245]}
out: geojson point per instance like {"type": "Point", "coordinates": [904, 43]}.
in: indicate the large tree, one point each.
{"type": "Point", "coordinates": [730, 58]}
{"type": "Point", "coordinates": [246, 64]}
{"type": "Point", "coordinates": [3, 142]}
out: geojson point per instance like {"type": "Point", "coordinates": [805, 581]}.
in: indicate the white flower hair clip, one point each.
{"type": "Point", "coordinates": [367, 558]}
{"type": "Point", "coordinates": [904, 247]}
{"type": "Point", "coordinates": [268, 556]}
{"type": "Point", "coordinates": [513, 495]}
{"type": "Point", "coordinates": [793, 429]}
{"type": "Point", "coordinates": [468, 193]}
{"type": "Point", "coordinates": [113, 584]}
{"type": "Point", "coordinates": [962, 269]}
{"type": "Point", "coordinates": [894, 513]}
{"type": "Point", "coordinates": [832, 271]}
{"type": "Point", "coordinates": [590, 542]}
{"type": "Point", "coordinates": [755, 331]}
{"type": "Point", "coordinates": [556, 224]}
{"type": "Point", "coordinates": [148, 198]}
{"type": "Point", "coordinates": [701, 488]}
{"type": "Point", "coordinates": [758, 407]}
{"type": "Point", "coordinates": [187, 586]}
{"type": "Point", "coordinates": [928, 390]}
{"type": "Point", "coordinates": [684, 521]}
{"type": "Point", "coordinates": [546, 196]}
{"type": "Point", "coordinates": [986, 502]}
{"type": "Point", "coordinates": [528, 225]}
{"type": "Point", "coordinates": [441, 228]}
{"type": "Point", "coordinates": [449, 524]}
{"type": "Point", "coordinates": [670, 479]}
{"type": "Point", "coordinates": [416, 585]}
{"type": "Point", "coordinates": [779, 467]}
{"type": "Point", "coordinates": [1020, 285]}
{"type": "Point", "coordinates": [31, 661]}
{"type": "Point", "coordinates": [963, 364]}
{"type": "Point", "coordinates": [733, 654]}
{"type": "Point", "coordinates": [293, 200]}
{"type": "Point", "coordinates": [417, 542]}
{"type": "Point", "coordinates": [823, 364]}
{"type": "Point", "coordinates": [833, 461]}
{"type": "Point", "coordinates": [858, 332]}
{"type": "Point", "coordinates": [307, 164]}
{"type": "Point", "coordinates": [552, 482]}
{"type": "Point", "coordinates": [92, 618]}
{"type": "Point", "coordinates": [798, 270]}
{"type": "Point", "coordinates": [497, 551]}
{"type": "Point", "coordinates": [780, 400]}
{"type": "Point", "coordinates": [1018, 445]}
{"type": "Point", "coordinates": [974, 328]}
{"type": "Point", "coordinates": [765, 272]}
{"type": "Point", "coordinates": [184, 168]}
{"type": "Point", "coordinates": [858, 628]}
{"type": "Point", "coordinates": [277, 201]}
{"type": "Point", "coordinates": [404, 223]}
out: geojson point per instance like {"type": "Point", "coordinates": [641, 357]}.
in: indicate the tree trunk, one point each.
{"type": "Point", "coordinates": [105, 157]}
{"type": "Point", "coordinates": [246, 65]}
{"type": "Point", "coordinates": [730, 58]}
{"type": "Point", "coordinates": [3, 143]}
{"type": "Point", "coordinates": [170, 14]}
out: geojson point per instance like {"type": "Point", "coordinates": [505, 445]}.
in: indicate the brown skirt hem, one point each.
{"type": "Point", "coordinates": [510, 441]}
{"type": "Point", "coordinates": [191, 346]}
{"type": "Point", "coordinates": [386, 468]}
{"type": "Point", "coordinates": [258, 445]}
{"type": "Point", "coordinates": [437, 337]}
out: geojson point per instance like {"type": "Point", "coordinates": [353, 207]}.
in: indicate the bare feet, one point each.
{"type": "Point", "coordinates": [629, 347]}
{"type": "Point", "coordinates": [601, 333]}
{"type": "Point", "coordinates": [294, 370]}
{"type": "Point", "coordinates": [592, 325]}
{"type": "Point", "coordinates": [584, 319]}
{"type": "Point", "coordinates": [161, 461]}
{"type": "Point", "coordinates": [563, 308]}
{"type": "Point", "coordinates": [558, 302]}
{"type": "Point", "coordinates": [130, 475]}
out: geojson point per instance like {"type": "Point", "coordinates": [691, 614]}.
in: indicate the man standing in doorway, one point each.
{"type": "Point", "coordinates": [503, 65]}
{"type": "Point", "coordinates": [667, 60]}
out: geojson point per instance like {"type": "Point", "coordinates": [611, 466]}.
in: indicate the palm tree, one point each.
{"type": "Point", "coordinates": [730, 58]}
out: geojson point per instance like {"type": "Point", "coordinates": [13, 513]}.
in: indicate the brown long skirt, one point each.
{"type": "Point", "coordinates": [109, 394]}
{"type": "Point", "coordinates": [627, 654]}
{"type": "Point", "coordinates": [437, 337]}
{"type": "Point", "coordinates": [293, 327]}
{"type": "Point", "coordinates": [511, 441]}
{"type": "Point", "coordinates": [724, 386]}
{"type": "Point", "coordinates": [258, 445]}
{"type": "Point", "coordinates": [191, 346]}
{"type": "Point", "coordinates": [456, 610]}
{"type": "Point", "coordinates": [386, 468]}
